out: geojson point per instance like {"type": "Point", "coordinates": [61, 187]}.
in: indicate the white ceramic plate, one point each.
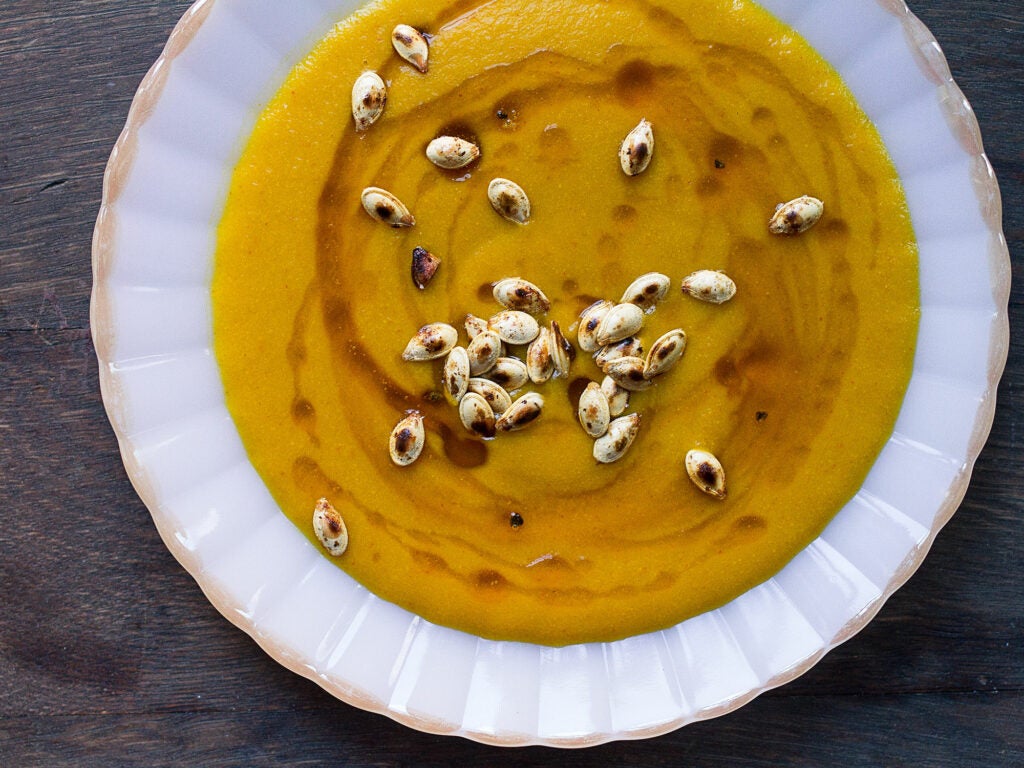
{"type": "Point", "coordinates": [151, 321]}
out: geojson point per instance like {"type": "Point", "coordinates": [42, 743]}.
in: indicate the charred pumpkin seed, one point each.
{"type": "Point", "coordinates": [424, 266]}
{"type": "Point", "coordinates": [431, 342]}
{"type": "Point", "coordinates": [628, 347]}
{"type": "Point", "coordinates": [665, 353]}
{"type": "Point", "coordinates": [710, 286]}
{"type": "Point", "coordinates": [590, 320]}
{"type": "Point", "coordinates": [522, 413]}
{"type": "Point", "coordinates": [476, 415]}
{"type": "Point", "coordinates": [516, 293]}
{"type": "Point", "coordinates": [621, 321]}
{"type": "Point", "coordinates": [706, 472]}
{"type": "Point", "coordinates": [509, 200]}
{"type": "Point", "coordinates": [618, 398]}
{"type": "Point", "coordinates": [494, 394]}
{"type": "Point", "coordinates": [451, 152]}
{"type": "Point", "coordinates": [637, 149]}
{"type": "Point", "coordinates": [514, 327]}
{"type": "Point", "coordinates": [593, 411]}
{"type": "Point", "coordinates": [628, 373]}
{"type": "Point", "coordinates": [509, 373]}
{"type": "Point", "coordinates": [330, 528]}
{"type": "Point", "coordinates": [407, 439]}
{"type": "Point", "coordinates": [369, 95]}
{"type": "Point", "coordinates": [385, 207]}
{"type": "Point", "coordinates": [796, 216]}
{"type": "Point", "coordinates": [540, 362]}
{"type": "Point", "coordinates": [621, 433]}
{"type": "Point", "coordinates": [474, 325]}
{"type": "Point", "coordinates": [411, 45]}
{"type": "Point", "coordinates": [455, 376]}
{"type": "Point", "coordinates": [647, 290]}
{"type": "Point", "coordinates": [562, 350]}
{"type": "Point", "coordinates": [483, 351]}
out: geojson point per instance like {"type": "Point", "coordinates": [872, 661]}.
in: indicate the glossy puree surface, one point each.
{"type": "Point", "coordinates": [794, 384]}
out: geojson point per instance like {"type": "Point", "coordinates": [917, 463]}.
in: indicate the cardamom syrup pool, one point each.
{"type": "Point", "coordinates": [795, 384]}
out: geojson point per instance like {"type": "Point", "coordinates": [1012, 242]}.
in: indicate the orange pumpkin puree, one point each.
{"type": "Point", "coordinates": [795, 384]}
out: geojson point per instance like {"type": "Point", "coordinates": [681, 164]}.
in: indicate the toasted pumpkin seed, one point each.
{"type": "Point", "coordinates": [509, 200]}
{"type": "Point", "coordinates": [706, 472]}
{"type": "Point", "coordinates": [424, 266]}
{"type": "Point", "coordinates": [509, 373]}
{"type": "Point", "coordinates": [628, 347]}
{"type": "Point", "coordinates": [484, 350]}
{"type": "Point", "coordinates": [796, 216]}
{"type": "Point", "coordinates": [384, 206]}
{"type": "Point", "coordinates": [330, 528]}
{"type": "Point", "coordinates": [647, 290]}
{"type": "Point", "coordinates": [628, 373]}
{"type": "Point", "coordinates": [407, 439]}
{"type": "Point", "coordinates": [411, 45]}
{"type": "Point", "coordinates": [593, 411]}
{"type": "Point", "coordinates": [590, 320]}
{"type": "Point", "coordinates": [369, 95]}
{"type": "Point", "coordinates": [621, 433]}
{"type": "Point", "coordinates": [474, 325]}
{"type": "Point", "coordinates": [455, 378]}
{"type": "Point", "coordinates": [562, 350]}
{"type": "Point", "coordinates": [516, 293]}
{"type": "Point", "coordinates": [622, 321]}
{"type": "Point", "coordinates": [514, 327]}
{"type": "Point", "coordinates": [540, 362]}
{"type": "Point", "coordinates": [710, 286]}
{"type": "Point", "coordinates": [522, 413]}
{"type": "Point", "coordinates": [637, 149]}
{"type": "Point", "coordinates": [451, 152]}
{"type": "Point", "coordinates": [431, 342]}
{"type": "Point", "coordinates": [494, 394]}
{"type": "Point", "coordinates": [665, 353]}
{"type": "Point", "coordinates": [618, 398]}
{"type": "Point", "coordinates": [476, 415]}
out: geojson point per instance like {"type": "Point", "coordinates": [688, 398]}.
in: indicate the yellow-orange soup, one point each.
{"type": "Point", "coordinates": [794, 384]}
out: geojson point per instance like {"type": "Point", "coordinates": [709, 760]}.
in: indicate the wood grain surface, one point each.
{"type": "Point", "coordinates": [111, 656]}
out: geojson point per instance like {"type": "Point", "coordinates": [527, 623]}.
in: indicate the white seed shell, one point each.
{"type": "Point", "coordinates": [510, 373]}
{"type": "Point", "coordinates": [514, 327]}
{"type": "Point", "coordinates": [522, 413]}
{"type": "Point", "coordinates": [516, 293]}
{"type": "Point", "coordinates": [474, 325]}
{"type": "Point", "coordinates": [451, 152]}
{"type": "Point", "coordinates": [628, 347]}
{"type": "Point", "coordinates": [509, 200]}
{"type": "Point", "coordinates": [407, 439]}
{"type": "Point", "coordinates": [476, 415]}
{"type": "Point", "coordinates": [411, 45]}
{"type": "Point", "coordinates": [593, 411]}
{"type": "Point", "coordinates": [369, 96]}
{"type": "Point", "coordinates": [647, 290]}
{"type": "Point", "coordinates": [665, 353]}
{"type": "Point", "coordinates": [540, 362]}
{"type": "Point", "coordinates": [483, 352]}
{"type": "Point", "coordinates": [622, 321]}
{"type": "Point", "coordinates": [431, 342]}
{"type": "Point", "coordinates": [562, 352]}
{"type": "Point", "coordinates": [706, 472]}
{"type": "Point", "coordinates": [617, 440]}
{"type": "Point", "coordinates": [590, 320]}
{"type": "Point", "coordinates": [385, 207]}
{"type": "Point", "coordinates": [618, 398]}
{"type": "Point", "coordinates": [796, 216]}
{"type": "Point", "coordinates": [637, 149]}
{"type": "Point", "coordinates": [495, 395]}
{"type": "Point", "coordinates": [710, 286]}
{"type": "Point", "coordinates": [455, 378]}
{"type": "Point", "coordinates": [628, 373]}
{"type": "Point", "coordinates": [330, 528]}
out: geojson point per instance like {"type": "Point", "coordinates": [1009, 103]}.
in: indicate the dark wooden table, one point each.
{"type": "Point", "coordinates": [109, 653]}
